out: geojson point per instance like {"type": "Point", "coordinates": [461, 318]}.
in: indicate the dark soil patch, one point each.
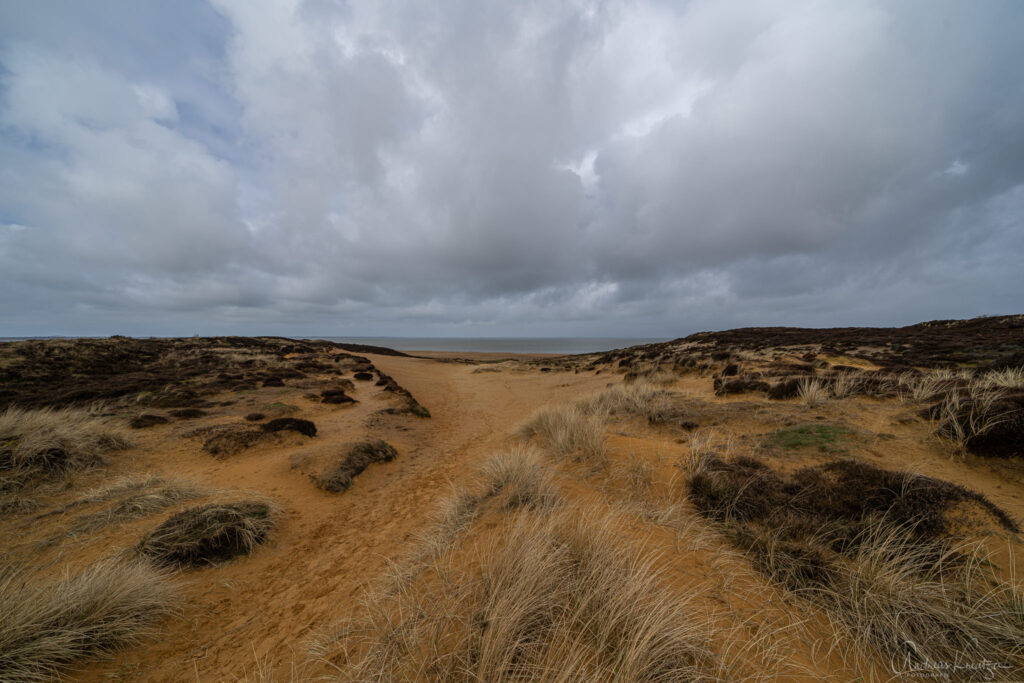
{"type": "Point", "coordinates": [294, 424]}
{"type": "Point", "coordinates": [255, 417]}
{"type": "Point", "coordinates": [147, 420]}
{"type": "Point", "coordinates": [363, 376]}
{"type": "Point", "coordinates": [273, 382]}
{"type": "Point", "coordinates": [188, 413]}
{"type": "Point", "coordinates": [356, 458]}
{"type": "Point", "coordinates": [209, 534]}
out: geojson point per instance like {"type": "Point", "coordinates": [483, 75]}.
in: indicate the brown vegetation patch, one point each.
{"type": "Point", "coordinates": [992, 342]}
{"type": "Point", "coordinates": [169, 373]}
{"type": "Point", "coordinates": [335, 396]}
{"type": "Point", "coordinates": [209, 534]}
{"type": "Point", "coordinates": [408, 406]}
{"type": "Point", "coordinates": [873, 549]}
{"type": "Point", "coordinates": [789, 388]}
{"type": "Point", "coordinates": [841, 496]}
{"type": "Point", "coordinates": [231, 439]}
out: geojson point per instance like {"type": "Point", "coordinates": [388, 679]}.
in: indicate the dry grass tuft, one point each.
{"type": "Point", "coordinates": [518, 478]}
{"type": "Point", "coordinates": [209, 534]}
{"type": "Point", "coordinates": [845, 386]}
{"type": "Point", "coordinates": [966, 416]}
{"type": "Point", "coordinates": [813, 392]}
{"type": "Point", "coordinates": [548, 598]}
{"type": "Point", "coordinates": [1008, 378]}
{"type": "Point", "coordinates": [48, 443]}
{"type": "Point", "coordinates": [120, 486]}
{"type": "Point", "coordinates": [522, 477]}
{"type": "Point", "coordinates": [636, 399]}
{"type": "Point", "coordinates": [568, 432]}
{"type": "Point", "coordinates": [639, 474]}
{"type": "Point", "coordinates": [705, 447]}
{"type": "Point", "coordinates": [46, 626]}
{"type": "Point", "coordinates": [978, 412]}
{"type": "Point", "coordinates": [914, 605]}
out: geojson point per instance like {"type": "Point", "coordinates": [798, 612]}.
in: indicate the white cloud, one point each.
{"type": "Point", "coordinates": [604, 166]}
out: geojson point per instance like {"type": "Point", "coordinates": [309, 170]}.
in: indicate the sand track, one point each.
{"type": "Point", "coordinates": [329, 545]}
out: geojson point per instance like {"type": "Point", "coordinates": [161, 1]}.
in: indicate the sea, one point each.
{"type": "Point", "coordinates": [559, 345]}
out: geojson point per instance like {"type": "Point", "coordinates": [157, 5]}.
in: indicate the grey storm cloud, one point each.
{"type": "Point", "coordinates": [582, 168]}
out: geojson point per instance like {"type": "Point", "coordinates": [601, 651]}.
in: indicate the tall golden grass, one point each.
{"type": "Point", "coordinates": [568, 432]}
{"type": "Point", "coordinates": [548, 597]}
{"type": "Point", "coordinates": [46, 626]}
{"type": "Point", "coordinates": [916, 605]}
{"type": "Point", "coordinates": [636, 399]}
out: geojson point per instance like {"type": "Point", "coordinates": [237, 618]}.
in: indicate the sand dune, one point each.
{"type": "Point", "coordinates": [631, 461]}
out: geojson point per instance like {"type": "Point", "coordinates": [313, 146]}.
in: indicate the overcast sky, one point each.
{"type": "Point", "coordinates": [472, 168]}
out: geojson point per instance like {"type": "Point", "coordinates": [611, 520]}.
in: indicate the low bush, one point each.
{"type": "Point", "coordinates": [209, 534]}
{"type": "Point", "coordinates": [232, 439]}
{"type": "Point", "coordinates": [335, 396]}
{"type": "Point", "coordinates": [294, 424]}
{"type": "Point", "coordinates": [353, 460]}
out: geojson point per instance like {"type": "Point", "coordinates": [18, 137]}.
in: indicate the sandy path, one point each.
{"type": "Point", "coordinates": [329, 545]}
